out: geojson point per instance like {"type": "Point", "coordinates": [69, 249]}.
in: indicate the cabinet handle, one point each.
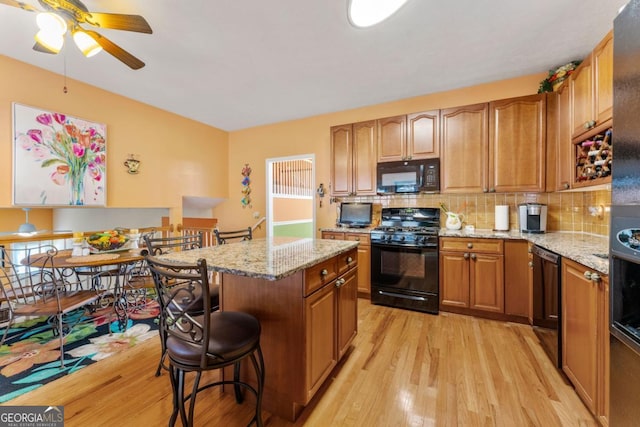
{"type": "Point", "coordinates": [469, 245]}
{"type": "Point", "coordinates": [349, 260]}
{"type": "Point", "coordinates": [465, 256]}
{"type": "Point", "coordinates": [340, 282]}
{"type": "Point", "coordinates": [492, 190]}
{"type": "Point", "coordinates": [473, 256]}
{"type": "Point", "coordinates": [595, 277]}
{"type": "Point", "coordinates": [324, 272]}
{"type": "Point", "coordinates": [566, 185]}
{"type": "Point", "coordinates": [589, 124]}
{"type": "Point", "coordinates": [587, 275]}
{"type": "Point", "coordinates": [485, 190]}
{"type": "Point", "coordinates": [530, 264]}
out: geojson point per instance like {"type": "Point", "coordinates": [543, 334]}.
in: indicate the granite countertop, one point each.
{"type": "Point", "coordinates": [272, 258]}
{"type": "Point", "coordinates": [589, 250]}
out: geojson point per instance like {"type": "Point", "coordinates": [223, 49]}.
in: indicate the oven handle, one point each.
{"type": "Point", "coordinates": [393, 294]}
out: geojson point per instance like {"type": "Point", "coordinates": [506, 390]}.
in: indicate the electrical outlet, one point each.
{"type": "Point", "coordinates": [256, 214]}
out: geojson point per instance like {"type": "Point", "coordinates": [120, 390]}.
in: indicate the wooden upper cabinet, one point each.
{"type": "Point", "coordinates": [603, 79]}
{"type": "Point", "coordinates": [592, 89]}
{"type": "Point", "coordinates": [353, 159]}
{"type": "Point", "coordinates": [464, 149]}
{"type": "Point", "coordinates": [517, 135]}
{"type": "Point", "coordinates": [392, 138]}
{"type": "Point", "coordinates": [423, 135]}
{"type": "Point", "coordinates": [364, 158]}
{"type": "Point", "coordinates": [341, 160]}
{"type": "Point", "coordinates": [411, 137]}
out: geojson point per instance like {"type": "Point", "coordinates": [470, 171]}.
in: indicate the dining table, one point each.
{"type": "Point", "coordinates": [107, 272]}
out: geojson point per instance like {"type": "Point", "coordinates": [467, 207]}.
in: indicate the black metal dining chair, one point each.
{"type": "Point", "coordinates": [163, 245]}
{"type": "Point", "coordinates": [223, 237]}
{"type": "Point", "coordinates": [199, 343]}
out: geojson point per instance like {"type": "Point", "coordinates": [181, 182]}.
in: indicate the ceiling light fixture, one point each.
{"type": "Point", "coordinates": [26, 229]}
{"type": "Point", "coordinates": [366, 13]}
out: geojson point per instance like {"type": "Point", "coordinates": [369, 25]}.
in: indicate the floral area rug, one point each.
{"type": "Point", "coordinates": [30, 356]}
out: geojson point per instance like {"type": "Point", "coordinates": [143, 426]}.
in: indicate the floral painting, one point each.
{"type": "Point", "coordinates": [59, 160]}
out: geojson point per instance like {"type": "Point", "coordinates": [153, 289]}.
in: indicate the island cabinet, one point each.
{"type": "Point", "coordinates": [591, 86]}
{"type": "Point", "coordinates": [471, 275]}
{"type": "Point", "coordinates": [411, 137]}
{"type": "Point", "coordinates": [308, 321]}
{"type": "Point", "coordinates": [585, 334]}
{"type": "Point", "coordinates": [364, 257]}
{"type": "Point", "coordinates": [353, 159]}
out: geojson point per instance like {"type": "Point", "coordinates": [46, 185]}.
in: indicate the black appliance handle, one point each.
{"type": "Point", "coordinates": [393, 294]}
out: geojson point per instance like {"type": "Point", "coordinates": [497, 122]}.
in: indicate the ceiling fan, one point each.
{"type": "Point", "coordinates": [60, 16]}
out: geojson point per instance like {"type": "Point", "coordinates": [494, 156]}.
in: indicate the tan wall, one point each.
{"type": "Point", "coordinates": [180, 157]}
{"type": "Point", "coordinates": [311, 135]}
{"type": "Point", "coordinates": [292, 209]}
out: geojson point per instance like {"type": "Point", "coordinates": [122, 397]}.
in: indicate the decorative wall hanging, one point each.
{"type": "Point", "coordinates": [132, 164]}
{"type": "Point", "coordinates": [246, 189]}
{"type": "Point", "coordinates": [57, 159]}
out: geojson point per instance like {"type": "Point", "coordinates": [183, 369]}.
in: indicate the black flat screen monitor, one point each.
{"type": "Point", "coordinates": [355, 214]}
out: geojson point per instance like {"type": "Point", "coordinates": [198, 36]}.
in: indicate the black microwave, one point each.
{"type": "Point", "coordinates": [409, 176]}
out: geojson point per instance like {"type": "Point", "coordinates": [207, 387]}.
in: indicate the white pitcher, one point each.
{"type": "Point", "coordinates": [454, 221]}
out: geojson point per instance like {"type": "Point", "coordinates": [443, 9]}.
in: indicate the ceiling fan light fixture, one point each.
{"type": "Point", "coordinates": [51, 23]}
{"type": "Point", "coordinates": [50, 41]}
{"type": "Point", "coordinates": [367, 13]}
{"type": "Point", "coordinates": [87, 45]}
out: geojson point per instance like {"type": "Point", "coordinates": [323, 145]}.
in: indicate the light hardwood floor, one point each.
{"type": "Point", "coordinates": [405, 369]}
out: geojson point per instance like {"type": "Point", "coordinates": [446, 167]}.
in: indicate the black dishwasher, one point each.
{"type": "Point", "coordinates": [547, 302]}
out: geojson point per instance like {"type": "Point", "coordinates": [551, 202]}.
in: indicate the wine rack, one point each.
{"type": "Point", "coordinates": [594, 157]}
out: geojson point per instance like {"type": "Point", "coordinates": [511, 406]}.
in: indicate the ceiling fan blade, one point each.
{"type": "Point", "coordinates": [19, 4]}
{"type": "Point", "coordinates": [116, 50]}
{"type": "Point", "coordinates": [116, 21]}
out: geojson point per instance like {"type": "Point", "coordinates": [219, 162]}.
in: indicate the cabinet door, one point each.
{"type": "Point", "coordinates": [364, 158]}
{"type": "Point", "coordinates": [423, 135]}
{"type": "Point", "coordinates": [320, 313]}
{"type": "Point", "coordinates": [364, 261]}
{"type": "Point", "coordinates": [487, 282]}
{"type": "Point", "coordinates": [603, 348]}
{"type": "Point", "coordinates": [464, 149]}
{"type": "Point", "coordinates": [565, 149]}
{"type": "Point", "coordinates": [517, 135]}
{"type": "Point", "coordinates": [392, 139]}
{"type": "Point", "coordinates": [579, 330]}
{"type": "Point", "coordinates": [516, 273]}
{"type": "Point", "coordinates": [454, 279]}
{"type": "Point", "coordinates": [603, 79]}
{"type": "Point", "coordinates": [347, 308]}
{"type": "Point", "coordinates": [581, 86]}
{"type": "Point", "coordinates": [341, 160]}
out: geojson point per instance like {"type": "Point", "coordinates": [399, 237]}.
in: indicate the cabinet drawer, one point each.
{"type": "Point", "coordinates": [363, 238]}
{"type": "Point", "coordinates": [333, 235]}
{"type": "Point", "coordinates": [475, 245]}
{"type": "Point", "coordinates": [320, 274]}
{"type": "Point", "coordinates": [347, 261]}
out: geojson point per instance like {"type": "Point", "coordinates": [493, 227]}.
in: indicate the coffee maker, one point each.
{"type": "Point", "coordinates": [532, 217]}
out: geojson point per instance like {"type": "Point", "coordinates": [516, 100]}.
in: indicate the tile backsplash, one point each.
{"type": "Point", "coordinates": [586, 211]}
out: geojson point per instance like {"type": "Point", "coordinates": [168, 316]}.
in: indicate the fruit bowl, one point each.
{"type": "Point", "coordinates": [107, 240]}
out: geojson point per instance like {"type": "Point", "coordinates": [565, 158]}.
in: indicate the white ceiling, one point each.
{"type": "Point", "coordinates": [235, 64]}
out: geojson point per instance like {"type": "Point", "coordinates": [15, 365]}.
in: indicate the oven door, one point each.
{"type": "Point", "coordinates": [405, 277]}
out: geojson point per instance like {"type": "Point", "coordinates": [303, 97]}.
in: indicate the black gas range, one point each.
{"type": "Point", "coordinates": [404, 259]}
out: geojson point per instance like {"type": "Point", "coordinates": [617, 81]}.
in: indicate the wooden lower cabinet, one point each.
{"type": "Point", "coordinates": [471, 275]}
{"type": "Point", "coordinates": [585, 334]}
{"type": "Point", "coordinates": [517, 287]}
{"type": "Point", "coordinates": [364, 257]}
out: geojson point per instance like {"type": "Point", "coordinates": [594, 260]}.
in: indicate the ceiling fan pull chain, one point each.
{"type": "Point", "coordinates": [64, 56]}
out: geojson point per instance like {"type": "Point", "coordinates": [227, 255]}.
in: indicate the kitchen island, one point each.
{"type": "Point", "coordinates": [304, 292]}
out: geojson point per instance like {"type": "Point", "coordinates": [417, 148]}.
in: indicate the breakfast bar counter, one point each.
{"type": "Point", "coordinates": [304, 292]}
